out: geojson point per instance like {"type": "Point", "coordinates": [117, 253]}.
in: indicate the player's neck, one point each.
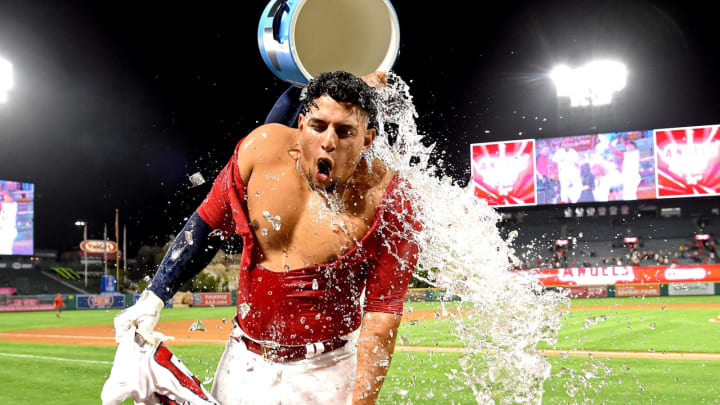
{"type": "Point", "coordinates": [345, 196]}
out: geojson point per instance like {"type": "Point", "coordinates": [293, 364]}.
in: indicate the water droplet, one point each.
{"type": "Point", "coordinates": [245, 309]}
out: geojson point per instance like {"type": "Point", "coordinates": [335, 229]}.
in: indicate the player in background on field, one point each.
{"type": "Point", "coordinates": [58, 304]}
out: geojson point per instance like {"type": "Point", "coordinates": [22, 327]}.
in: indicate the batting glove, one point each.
{"type": "Point", "coordinates": [143, 316]}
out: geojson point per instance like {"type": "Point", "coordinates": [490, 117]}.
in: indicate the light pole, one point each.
{"type": "Point", "coordinates": [6, 79]}
{"type": "Point", "coordinates": [84, 225]}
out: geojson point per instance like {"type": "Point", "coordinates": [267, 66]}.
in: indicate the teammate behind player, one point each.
{"type": "Point", "coordinates": [320, 224]}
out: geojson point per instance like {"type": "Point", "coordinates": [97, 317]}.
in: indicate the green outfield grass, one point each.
{"type": "Point", "coordinates": [68, 374]}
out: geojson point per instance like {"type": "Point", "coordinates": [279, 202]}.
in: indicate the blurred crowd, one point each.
{"type": "Point", "coordinates": [628, 254]}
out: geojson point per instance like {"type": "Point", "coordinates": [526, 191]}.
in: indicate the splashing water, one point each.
{"type": "Point", "coordinates": [504, 314]}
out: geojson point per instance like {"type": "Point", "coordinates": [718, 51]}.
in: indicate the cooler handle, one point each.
{"type": "Point", "coordinates": [276, 12]}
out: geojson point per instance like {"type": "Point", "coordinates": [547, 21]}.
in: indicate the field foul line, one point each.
{"type": "Point", "coordinates": [31, 356]}
{"type": "Point", "coordinates": [581, 353]}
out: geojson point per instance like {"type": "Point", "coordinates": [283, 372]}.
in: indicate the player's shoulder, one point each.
{"type": "Point", "coordinates": [267, 138]}
{"type": "Point", "coordinates": [266, 144]}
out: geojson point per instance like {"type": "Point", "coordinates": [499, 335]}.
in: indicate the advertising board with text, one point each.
{"type": "Point", "coordinates": [503, 172]}
{"type": "Point", "coordinates": [637, 290]}
{"type": "Point", "coordinates": [212, 299]}
{"type": "Point", "coordinates": [100, 301]}
{"type": "Point", "coordinates": [593, 276]}
{"type": "Point", "coordinates": [587, 292]}
{"type": "Point", "coordinates": [691, 289]}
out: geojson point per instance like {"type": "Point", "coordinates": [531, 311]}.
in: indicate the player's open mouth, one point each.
{"type": "Point", "coordinates": [324, 167]}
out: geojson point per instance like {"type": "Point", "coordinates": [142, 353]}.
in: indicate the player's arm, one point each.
{"type": "Point", "coordinates": [286, 108]}
{"type": "Point", "coordinates": [387, 283]}
{"type": "Point", "coordinates": [374, 354]}
{"type": "Point", "coordinates": [195, 245]}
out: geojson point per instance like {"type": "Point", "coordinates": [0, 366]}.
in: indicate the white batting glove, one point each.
{"type": "Point", "coordinates": [143, 316]}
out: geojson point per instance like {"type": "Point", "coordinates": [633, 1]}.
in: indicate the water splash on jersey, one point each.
{"type": "Point", "coordinates": [505, 315]}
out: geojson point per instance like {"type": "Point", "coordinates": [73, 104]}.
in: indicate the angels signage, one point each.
{"type": "Point", "coordinates": [590, 276]}
{"type": "Point", "coordinates": [688, 161]}
{"type": "Point", "coordinates": [503, 172]}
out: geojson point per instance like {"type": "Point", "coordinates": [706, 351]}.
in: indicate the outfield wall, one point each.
{"type": "Point", "coordinates": [118, 301]}
{"type": "Point", "coordinates": [44, 302]}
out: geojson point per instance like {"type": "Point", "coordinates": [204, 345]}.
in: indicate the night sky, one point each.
{"type": "Point", "coordinates": [116, 103]}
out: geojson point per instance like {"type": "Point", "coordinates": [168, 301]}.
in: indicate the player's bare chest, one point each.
{"type": "Point", "coordinates": [285, 214]}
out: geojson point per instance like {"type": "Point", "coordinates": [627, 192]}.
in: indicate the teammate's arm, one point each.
{"type": "Point", "coordinates": [375, 349]}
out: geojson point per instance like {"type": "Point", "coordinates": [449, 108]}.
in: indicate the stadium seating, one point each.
{"type": "Point", "coordinates": [598, 240]}
{"type": "Point", "coordinates": [35, 281]}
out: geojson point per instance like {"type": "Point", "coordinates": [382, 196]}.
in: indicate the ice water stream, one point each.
{"type": "Point", "coordinates": [505, 314]}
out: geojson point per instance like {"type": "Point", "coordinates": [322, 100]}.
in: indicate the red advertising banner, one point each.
{"type": "Point", "coordinates": [588, 292]}
{"type": "Point", "coordinates": [637, 290]}
{"type": "Point", "coordinates": [7, 290]}
{"type": "Point", "coordinates": [596, 276]}
{"type": "Point", "coordinates": [212, 299]}
{"type": "Point", "coordinates": [504, 172]}
{"type": "Point", "coordinates": [23, 304]}
{"type": "Point", "coordinates": [688, 161]}
{"type": "Point", "coordinates": [26, 308]}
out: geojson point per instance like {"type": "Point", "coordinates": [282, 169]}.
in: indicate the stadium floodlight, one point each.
{"type": "Point", "coordinates": [6, 79]}
{"type": "Point", "coordinates": [79, 223]}
{"type": "Point", "coordinates": [590, 85]}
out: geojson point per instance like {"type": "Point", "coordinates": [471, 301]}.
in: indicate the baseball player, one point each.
{"type": "Point", "coordinates": [58, 304]}
{"type": "Point", "coordinates": [322, 227]}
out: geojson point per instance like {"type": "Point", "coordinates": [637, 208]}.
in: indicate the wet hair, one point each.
{"type": "Point", "coordinates": [343, 87]}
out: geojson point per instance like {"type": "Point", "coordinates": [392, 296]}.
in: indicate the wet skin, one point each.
{"type": "Point", "coordinates": [297, 175]}
{"type": "Point", "coordinates": [288, 172]}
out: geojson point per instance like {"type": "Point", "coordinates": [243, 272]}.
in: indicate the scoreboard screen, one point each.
{"type": "Point", "coordinates": [16, 218]}
{"type": "Point", "coordinates": [688, 161]}
{"type": "Point", "coordinates": [615, 166]}
{"type": "Point", "coordinates": [503, 172]}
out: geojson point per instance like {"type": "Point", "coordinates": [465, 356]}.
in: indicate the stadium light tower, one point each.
{"type": "Point", "coordinates": [6, 79]}
{"type": "Point", "coordinates": [593, 84]}
{"type": "Point", "coordinates": [83, 224]}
